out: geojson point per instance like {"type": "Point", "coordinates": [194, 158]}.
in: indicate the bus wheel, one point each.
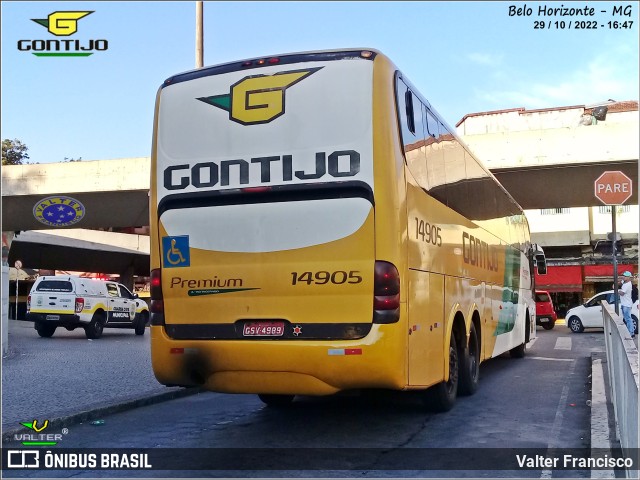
{"type": "Point", "coordinates": [276, 400]}
{"type": "Point", "coordinates": [470, 365]}
{"type": "Point", "coordinates": [519, 351]}
{"type": "Point", "coordinates": [442, 397]}
{"type": "Point", "coordinates": [45, 330]}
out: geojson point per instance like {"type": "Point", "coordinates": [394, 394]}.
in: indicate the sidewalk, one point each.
{"type": "Point", "coordinates": [69, 379]}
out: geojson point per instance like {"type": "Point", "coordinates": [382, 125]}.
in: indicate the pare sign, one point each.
{"type": "Point", "coordinates": [613, 188]}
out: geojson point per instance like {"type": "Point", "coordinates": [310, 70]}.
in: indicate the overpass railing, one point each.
{"type": "Point", "coordinates": [622, 360]}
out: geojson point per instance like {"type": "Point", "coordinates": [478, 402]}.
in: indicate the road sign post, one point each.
{"type": "Point", "coordinates": [613, 188]}
{"type": "Point", "coordinates": [18, 266]}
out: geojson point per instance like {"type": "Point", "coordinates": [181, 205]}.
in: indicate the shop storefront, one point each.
{"type": "Point", "coordinates": [571, 285]}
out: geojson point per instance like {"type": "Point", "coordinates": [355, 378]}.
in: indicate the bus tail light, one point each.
{"type": "Point", "coordinates": [28, 303]}
{"type": "Point", "coordinates": [157, 302]}
{"type": "Point", "coordinates": [386, 293]}
{"type": "Point", "coordinates": [79, 304]}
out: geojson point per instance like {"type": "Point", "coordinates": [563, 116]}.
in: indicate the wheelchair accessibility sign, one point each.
{"type": "Point", "coordinates": [175, 251]}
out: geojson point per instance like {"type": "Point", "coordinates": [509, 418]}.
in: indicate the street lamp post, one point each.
{"type": "Point", "coordinates": [199, 35]}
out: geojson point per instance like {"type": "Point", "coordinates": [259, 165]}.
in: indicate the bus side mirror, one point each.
{"type": "Point", "coordinates": [540, 258]}
{"type": "Point", "coordinates": [541, 264]}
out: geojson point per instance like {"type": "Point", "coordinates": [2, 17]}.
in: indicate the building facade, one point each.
{"type": "Point", "coordinates": [575, 239]}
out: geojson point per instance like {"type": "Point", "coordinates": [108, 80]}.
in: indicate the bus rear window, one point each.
{"type": "Point", "coordinates": [55, 286]}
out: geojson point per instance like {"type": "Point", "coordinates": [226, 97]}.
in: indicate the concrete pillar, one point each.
{"type": "Point", "coordinates": [5, 309]}
{"type": "Point", "coordinates": [126, 277]}
{"type": "Point", "coordinates": [7, 238]}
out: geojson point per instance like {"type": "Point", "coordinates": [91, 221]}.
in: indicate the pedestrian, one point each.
{"type": "Point", "coordinates": [626, 301]}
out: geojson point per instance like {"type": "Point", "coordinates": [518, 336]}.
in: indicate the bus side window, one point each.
{"type": "Point", "coordinates": [431, 126]}
{"type": "Point", "coordinates": [408, 103]}
{"type": "Point", "coordinates": [454, 171]}
{"type": "Point", "coordinates": [409, 129]}
{"type": "Point", "coordinates": [476, 180]}
{"type": "Point", "coordinates": [435, 158]}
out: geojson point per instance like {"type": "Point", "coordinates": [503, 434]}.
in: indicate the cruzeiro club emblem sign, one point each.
{"type": "Point", "coordinates": [59, 211]}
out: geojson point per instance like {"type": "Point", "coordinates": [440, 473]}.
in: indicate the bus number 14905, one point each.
{"type": "Point", "coordinates": [428, 233]}
{"type": "Point", "coordinates": [324, 277]}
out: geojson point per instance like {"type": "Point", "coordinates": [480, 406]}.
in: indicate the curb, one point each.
{"type": "Point", "coordinates": [600, 430]}
{"type": "Point", "coordinates": [601, 426]}
{"type": "Point", "coordinates": [95, 413]}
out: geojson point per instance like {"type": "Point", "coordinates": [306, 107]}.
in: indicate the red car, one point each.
{"type": "Point", "coordinates": [545, 314]}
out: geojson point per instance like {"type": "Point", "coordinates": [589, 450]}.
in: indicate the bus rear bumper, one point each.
{"type": "Point", "coordinates": [282, 367]}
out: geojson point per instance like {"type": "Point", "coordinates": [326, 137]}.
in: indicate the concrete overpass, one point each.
{"type": "Point", "coordinates": [545, 159]}
{"type": "Point", "coordinates": [549, 158]}
{"type": "Point", "coordinates": [83, 250]}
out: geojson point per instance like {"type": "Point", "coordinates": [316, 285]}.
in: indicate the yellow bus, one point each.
{"type": "Point", "coordinates": [317, 227]}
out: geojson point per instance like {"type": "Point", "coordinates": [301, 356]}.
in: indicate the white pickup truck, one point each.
{"type": "Point", "coordinates": [69, 301]}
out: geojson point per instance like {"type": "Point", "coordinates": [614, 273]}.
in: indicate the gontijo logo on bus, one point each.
{"type": "Point", "coordinates": [259, 98]}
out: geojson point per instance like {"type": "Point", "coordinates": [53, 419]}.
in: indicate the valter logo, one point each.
{"type": "Point", "coordinates": [62, 24]}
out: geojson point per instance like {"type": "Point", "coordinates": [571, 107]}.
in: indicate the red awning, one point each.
{"type": "Point", "coordinates": [605, 270]}
{"type": "Point", "coordinates": [604, 273]}
{"type": "Point", "coordinates": [561, 279]}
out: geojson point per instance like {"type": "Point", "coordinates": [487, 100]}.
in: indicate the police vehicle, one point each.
{"type": "Point", "coordinates": [73, 302]}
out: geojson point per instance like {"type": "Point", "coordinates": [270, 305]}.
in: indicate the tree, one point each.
{"type": "Point", "coordinates": [14, 152]}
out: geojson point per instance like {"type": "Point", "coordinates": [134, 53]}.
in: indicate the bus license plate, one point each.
{"type": "Point", "coordinates": [53, 317]}
{"type": "Point", "coordinates": [263, 329]}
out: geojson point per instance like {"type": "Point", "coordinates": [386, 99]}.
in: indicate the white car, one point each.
{"type": "Point", "coordinates": [589, 315]}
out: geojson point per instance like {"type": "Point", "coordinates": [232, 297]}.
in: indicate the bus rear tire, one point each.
{"type": "Point", "coordinates": [442, 397]}
{"type": "Point", "coordinates": [470, 365]}
{"type": "Point", "coordinates": [276, 400]}
{"type": "Point", "coordinates": [519, 351]}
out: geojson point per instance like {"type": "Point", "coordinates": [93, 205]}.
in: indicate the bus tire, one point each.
{"type": "Point", "coordinates": [45, 330]}
{"type": "Point", "coordinates": [519, 351]}
{"type": "Point", "coordinates": [93, 331]}
{"type": "Point", "coordinates": [442, 397]}
{"type": "Point", "coordinates": [277, 401]}
{"type": "Point", "coordinates": [470, 365]}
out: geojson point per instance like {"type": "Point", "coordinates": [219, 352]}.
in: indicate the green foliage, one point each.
{"type": "Point", "coordinates": [14, 152]}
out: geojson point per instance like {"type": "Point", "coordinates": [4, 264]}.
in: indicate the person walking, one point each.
{"type": "Point", "coordinates": [626, 301]}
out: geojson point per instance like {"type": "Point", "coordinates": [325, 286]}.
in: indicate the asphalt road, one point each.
{"type": "Point", "coordinates": [67, 374]}
{"type": "Point", "coordinates": [540, 402]}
